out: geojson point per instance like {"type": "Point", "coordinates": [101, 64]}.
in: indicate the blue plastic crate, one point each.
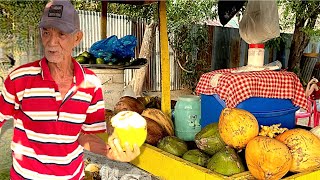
{"type": "Point", "coordinates": [268, 111]}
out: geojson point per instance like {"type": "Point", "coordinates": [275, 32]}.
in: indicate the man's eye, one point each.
{"type": "Point", "coordinates": [62, 35]}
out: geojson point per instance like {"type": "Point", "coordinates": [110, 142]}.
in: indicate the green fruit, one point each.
{"type": "Point", "coordinates": [226, 162]}
{"type": "Point", "coordinates": [81, 59]}
{"type": "Point", "coordinates": [99, 61]}
{"type": "Point", "coordinates": [209, 140]}
{"type": "Point", "coordinates": [196, 157]}
{"type": "Point", "coordinates": [86, 54]}
{"type": "Point", "coordinates": [173, 145]}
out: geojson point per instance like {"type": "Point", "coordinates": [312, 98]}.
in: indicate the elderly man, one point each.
{"type": "Point", "coordinates": [57, 106]}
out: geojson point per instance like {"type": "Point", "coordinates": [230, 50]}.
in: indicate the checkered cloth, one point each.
{"type": "Point", "coordinates": [234, 88]}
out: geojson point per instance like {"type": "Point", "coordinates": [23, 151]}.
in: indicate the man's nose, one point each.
{"type": "Point", "coordinates": [53, 39]}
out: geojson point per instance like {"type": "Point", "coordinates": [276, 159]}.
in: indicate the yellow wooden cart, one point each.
{"type": "Point", "coordinates": [163, 164]}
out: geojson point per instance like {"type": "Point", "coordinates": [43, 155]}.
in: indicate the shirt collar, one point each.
{"type": "Point", "coordinates": [78, 77]}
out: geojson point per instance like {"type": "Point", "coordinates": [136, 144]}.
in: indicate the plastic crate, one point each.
{"type": "Point", "coordinates": [268, 111]}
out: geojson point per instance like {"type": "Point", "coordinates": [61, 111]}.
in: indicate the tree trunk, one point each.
{"type": "Point", "coordinates": [139, 75]}
{"type": "Point", "coordinates": [299, 42]}
{"type": "Point", "coordinates": [300, 39]}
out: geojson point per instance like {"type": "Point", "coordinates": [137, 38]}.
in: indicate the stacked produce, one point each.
{"type": "Point", "coordinates": [88, 58]}
{"type": "Point", "coordinates": [234, 144]}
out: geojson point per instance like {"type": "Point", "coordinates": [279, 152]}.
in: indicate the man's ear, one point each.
{"type": "Point", "coordinates": [78, 38]}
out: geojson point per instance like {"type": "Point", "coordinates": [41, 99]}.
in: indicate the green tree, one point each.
{"type": "Point", "coordinates": [188, 34]}
{"type": "Point", "coordinates": [303, 16]}
{"type": "Point", "coordinates": [19, 20]}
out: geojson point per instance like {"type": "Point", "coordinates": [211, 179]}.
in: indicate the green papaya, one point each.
{"type": "Point", "coordinates": [226, 162]}
{"type": "Point", "coordinates": [196, 157]}
{"type": "Point", "coordinates": [173, 145]}
{"type": "Point", "coordinates": [208, 139]}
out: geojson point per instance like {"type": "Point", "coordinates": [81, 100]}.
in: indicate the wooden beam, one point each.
{"type": "Point", "coordinates": [103, 21]}
{"type": "Point", "coordinates": [165, 61]}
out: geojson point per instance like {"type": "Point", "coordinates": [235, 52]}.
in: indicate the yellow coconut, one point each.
{"type": "Point", "coordinates": [130, 127]}
{"type": "Point", "coordinates": [267, 158]}
{"type": "Point", "coordinates": [304, 147]}
{"type": "Point", "coordinates": [237, 127]}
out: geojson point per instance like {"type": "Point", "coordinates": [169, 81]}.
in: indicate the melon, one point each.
{"type": "Point", "coordinates": [130, 127]}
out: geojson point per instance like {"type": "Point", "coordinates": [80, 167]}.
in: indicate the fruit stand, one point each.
{"type": "Point", "coordinates": [165, 165]}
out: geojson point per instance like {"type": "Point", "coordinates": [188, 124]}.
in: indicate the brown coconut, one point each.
{"type": "Point", "coordinates": [128, 103]}
{"type": "Point", "coordinates": [107, 116]}
{"type": "Point", "coordinates": [155, 132]}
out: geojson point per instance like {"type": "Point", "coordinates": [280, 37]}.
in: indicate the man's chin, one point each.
{"type": "Point", "coordinates": [54, 59]}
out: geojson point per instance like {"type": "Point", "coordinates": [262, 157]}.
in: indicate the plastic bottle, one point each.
{"type": "Point", "coordinates": [256, 55]}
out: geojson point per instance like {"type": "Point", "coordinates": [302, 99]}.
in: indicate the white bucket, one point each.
{"type": "Point", "coordinates": [112, 81]}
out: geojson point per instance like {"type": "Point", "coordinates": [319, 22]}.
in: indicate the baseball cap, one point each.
{"type": "Point", "coordinates": [60, 14]}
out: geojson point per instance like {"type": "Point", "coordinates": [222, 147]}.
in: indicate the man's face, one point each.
{"type": "Point", "coordinates": [58, 45]}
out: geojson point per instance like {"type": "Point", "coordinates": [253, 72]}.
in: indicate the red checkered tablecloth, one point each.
{"type": "Point", "coordinates": [234, 88]}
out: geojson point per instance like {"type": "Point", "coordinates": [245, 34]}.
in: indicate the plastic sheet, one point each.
{"type": "Point", "coordinates": [260, 21]}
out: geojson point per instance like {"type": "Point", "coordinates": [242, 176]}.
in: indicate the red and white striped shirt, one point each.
{"type": "Point", "coordinates": [46, 127]}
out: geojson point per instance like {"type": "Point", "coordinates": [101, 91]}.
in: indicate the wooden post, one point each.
{"type": "Point", "coordinates": [103, 21]}
{"type": "Point", "coordinates": [165, 63]}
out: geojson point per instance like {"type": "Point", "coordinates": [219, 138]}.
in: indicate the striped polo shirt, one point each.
{"type": "Point", "coordinates": [46, 127]}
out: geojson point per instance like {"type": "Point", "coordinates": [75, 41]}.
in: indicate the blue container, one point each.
{"type": "Point", "coordinates": [268, 111]}
{"type": "Point", "coordinates": [187, 114]}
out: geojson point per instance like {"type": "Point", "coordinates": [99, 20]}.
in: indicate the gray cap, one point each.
{"type": "Point", "coordinates": [60, 14]}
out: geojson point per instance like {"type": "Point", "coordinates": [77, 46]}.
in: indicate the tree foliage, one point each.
{"type": "Point", "coordinates": [189, 36]}
{"type": "Point", "coordinates": [186, 28]}
{"type": "Point", "coordinates": [18, 19]}
{"type": "Point", "coordinates": [304, 15]}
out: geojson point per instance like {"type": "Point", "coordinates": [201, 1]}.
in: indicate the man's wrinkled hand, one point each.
{"type": "Point", "coordinates": [123, 155]}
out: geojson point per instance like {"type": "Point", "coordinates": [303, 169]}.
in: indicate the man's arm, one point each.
{"type": "Point", "coordinates": [93, 143]}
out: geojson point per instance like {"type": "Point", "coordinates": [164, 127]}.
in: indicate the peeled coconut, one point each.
{"type": "Point", "coordinates": [130, 127]}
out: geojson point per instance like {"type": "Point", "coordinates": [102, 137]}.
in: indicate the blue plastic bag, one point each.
{"type": "Point", "coordinates": [113, 49]}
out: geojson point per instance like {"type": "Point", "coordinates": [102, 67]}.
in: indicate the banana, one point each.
{"type": "Point", "coordinates": [161, 118]}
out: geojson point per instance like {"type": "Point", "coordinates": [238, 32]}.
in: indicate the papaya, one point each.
{"type": "Point", "coordinates": [226, 162]}
{"type": "Point", "coordinates": [208, 139]}
{"type": "Point", "coordinates": [173, 145]}
{"type": "Point", "coordinates": [196, 156]}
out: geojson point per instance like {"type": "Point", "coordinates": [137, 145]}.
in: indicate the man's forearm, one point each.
{"type": "Point", "coordinates": [93, 143]}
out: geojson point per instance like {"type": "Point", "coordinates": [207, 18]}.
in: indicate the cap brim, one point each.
{"type": "Point", "coordinates": [62, 26]}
